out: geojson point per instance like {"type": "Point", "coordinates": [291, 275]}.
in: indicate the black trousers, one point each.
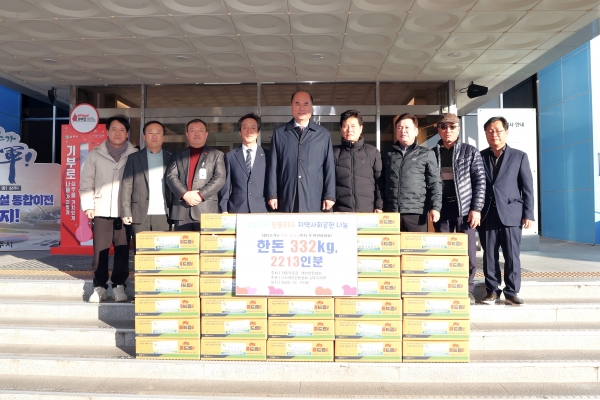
{"type": "Point", "coordinates": [495, 235]}
{"type": "Point", "coordinates": [451, 221]}
{"type": "Point", "coordinates": [151, 223]}
{"type": "Point", "coordinates": [188, 224]}
{"type": "Point", "coordinates": [413, 222]}
{"type": "Point", "coordinates": [109, 231]}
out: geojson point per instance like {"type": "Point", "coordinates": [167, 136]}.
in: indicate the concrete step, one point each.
{"type": "Point", "coordinates": [67, 332]}
{"type": "Point", "coordinates": [45, 286]}
{"type": "Point", "coordinates": [540, 310]}
{"type": "Point", "coordinates": [535, 336]}
{"type": "Point", "coordinates": [551, 290]}
{"type": "Point", "coordinates": [67, 352]}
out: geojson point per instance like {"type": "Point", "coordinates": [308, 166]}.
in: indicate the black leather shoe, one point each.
{"type": "Point", "coordinates": [514, 300]}
{"type": "Point", "coordinates": [490, 299]}
{"type": "Point", "coordinates": [472, 298]}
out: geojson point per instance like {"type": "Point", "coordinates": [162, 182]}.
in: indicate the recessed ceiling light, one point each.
{"type": "Point", "coordinates": [454, 55]}
{"type": "Point", "coordinates": [317, 56]}
{"type": "Point", "coordinates": [181, 58]}
{"type": "Point", "coordinates": [49, 61]}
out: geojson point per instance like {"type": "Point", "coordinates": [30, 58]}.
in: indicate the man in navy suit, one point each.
{"type": "Point", "coordinates": [244, 189]}
{"type": "Point", "coordinates": [508, 208]}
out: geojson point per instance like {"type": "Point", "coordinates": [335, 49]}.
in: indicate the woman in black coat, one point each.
{"type": "Point", "coordinates": [358, 178]}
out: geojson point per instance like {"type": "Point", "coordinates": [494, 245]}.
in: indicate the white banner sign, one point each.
{"type": "Point", "coordinates": [296, 255]}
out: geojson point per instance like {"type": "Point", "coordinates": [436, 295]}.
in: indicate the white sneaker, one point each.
{"type": "Point", "coordinates": [119, 293]}
{"type": "Point", "coordinates": [98, 295]}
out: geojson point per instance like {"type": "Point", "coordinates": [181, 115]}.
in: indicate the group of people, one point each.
{"type": "Point", "coordinates": [453, 185]}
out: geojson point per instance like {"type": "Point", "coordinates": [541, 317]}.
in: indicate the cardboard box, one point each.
{"type": "Point", "coordinates": [228, 328]}
{"type": "Point", "coordinates": [167, 328]}
{"type": "Point", "coordinates": [233, 350]}
{"type": "Point", "coordinates": [167, 349]}
{"type": "Point", "coordinates": [432, 308]}
{"type": "Point", "coordinates": [175, 264]}
{"type": "Point", "coordinates": [306, 329]}
{"type": "Point", "coordinates": [305, 350]}
{"type": "Point", "coordinates": [387, 288]}
{"type": "Point", "coordinates": [436, 329]}
{"type": "Point", "coordinates": [422, 265]}
{"type": "Point", "coordinates": [434, 243]}
{"type": "Point", "coordinates": [378, 245]}
{"type": "Point", "coordinates": [429, 286]}
{"type": "Point", "coordinates": [178, 307]}
{"type": "Point", "coordinates": [217, 266]}
{"type": "Point", "coordinates": [435, 351]}
{"type": "Point", "coordinates": [240, 307]}
{"type": "Point", "coordinates": [304, 308]}
{"type": "Point", "coordinates": [368, 309]}
{"type": "Point", "coordinates": [213, 245]}
{"type": "Point", "coordinates": [379, 266]}
{"type": "Point", "coordinates": [368, 330]}
{"type": "Point", "coordinates": [217, 287]}
{"type": "Point", "coordinates": [223, 224]}
{"type": "Point", "coordinates": [167, 286]}
{"type": "Point", "coordinates": [156, 242]}
{"type": "Point", "coordinates": [378, 224]}
{"type": "Point", "coordinates": [362, 351]}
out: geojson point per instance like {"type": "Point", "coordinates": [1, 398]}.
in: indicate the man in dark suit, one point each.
{"type": "Point", "coordinates": [244, 189]}
{"type": "Point", "coordinates": [508, 208]}
{"type": "Point", "coordinates": [144, 197]}
{"type": "Point", "coordinates": [195, 193]}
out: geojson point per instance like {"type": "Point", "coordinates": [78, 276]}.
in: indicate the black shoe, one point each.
{"type": "Point", "coordinates": [514, 300]}
{"type": "Point", "coordinates": [472, 298]}
{"type": "Point", "coordinates": [490, 299]}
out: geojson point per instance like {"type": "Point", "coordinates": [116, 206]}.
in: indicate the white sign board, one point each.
{"type": "Point", "coordinates": [84, 118]}
{"type": "Point", "coordinates": [296, 255]}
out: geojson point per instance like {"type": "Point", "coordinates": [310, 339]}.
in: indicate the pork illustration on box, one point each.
{"type": "Point", "coordinates": [217, 266]}
{"type": "Point", "coordinates": [379, 288]}
{"type": "Point", "coordinates": [178, 307]}
{"type": "Point", "coordinates": [217, 245]}
{"type": "Point", "coordinates": [227, 328]}
{"type": "Point", "coordinates": [233, 350]}
{"type": "Point", "coordinates": [157, 242]}
{"type": "Point", "coordinates": [378, 245]}
{"type": "Point", "coordinates": [167, 349]}
{"type": "Point", "coordinates": [223, 224]}
{"type": "Point", "coordinates": [378, 224]}
{"type": "Point", "coordinates": [434, 243]}
{"type": "Point", "coordinates": [423, 265]}
{"type": "Point", "coordinates": [436, 308]}
{"type": "Point", "coordinates": [368, 309]}
{"type": "Point", "coordinates": [212, 286]}
{"type": "Point", "coordinates": [441, 329]}
{"type": "Point", "coordinates": [303, 308]}
{"type": "Point", "coordinates": [363, 351]}
{"type": "Point", "coordinates": [305, 350]}
{"type": "Point", "coordinates": [435, 351]}
{"type": "Point", "coordinates": [368, 330]}
{"type": "Point", "coordinates": [434, 286]}
{"type": "Point", "coordinates": [255, 307]}
{"type": "Point", "coordinates": [317, 329]}
{"type": "Point", "coordinates": [176, 264]}
{"type": "Point", "coordinates": [166, 286]}
{"type": "Point", "coordinates": [381, 266]}
{"type": "Point", "coordinates": [167, 328]}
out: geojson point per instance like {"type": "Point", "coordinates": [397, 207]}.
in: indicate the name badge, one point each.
{"type": "Point", "coordinates": [202, 173]}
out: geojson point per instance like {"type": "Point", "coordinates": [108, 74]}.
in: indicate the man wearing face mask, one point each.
{"type": "Point", "coordinates": [358, 178]}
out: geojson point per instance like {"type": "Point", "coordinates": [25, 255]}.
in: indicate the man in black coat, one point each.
{"type": "Point", "coordinates": [301, 172]}
{"type": "Point", "coordinates": [358, 178]}
{"type": "Point", "coordinates": [144, 197]}
{"type": "Point", "coordinates": [508, 208]}
{"type": "Point", "coordinates": [463, 188]}
{"type": "Point", "coordinates": [412, 178]}
{"type": "Point", "coordinates": [244, 188]}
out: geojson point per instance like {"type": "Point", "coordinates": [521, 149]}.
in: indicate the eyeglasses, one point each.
{"type": "Point", "coordinates": [451, 127]}
{"type": "Point", "coordinates": [490, 132]}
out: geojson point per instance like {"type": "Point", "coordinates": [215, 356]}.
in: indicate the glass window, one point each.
{"type": "Point", "coordinates": [322, 93]}
{"type": "Point", "coordinates": [174, 96]}
{"type": "Point", "coordinates": [111, 96]}
{"type": "Point", "coordinates": [413, 93]}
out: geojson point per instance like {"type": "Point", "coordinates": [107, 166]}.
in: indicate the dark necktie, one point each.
{"type": "Point", "coordinates": [249, 160]}
{"type": "Point", "coordinates": [299, 130]}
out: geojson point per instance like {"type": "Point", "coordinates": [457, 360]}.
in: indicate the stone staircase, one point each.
{"type": "Point", "coordinates": [53, 344]}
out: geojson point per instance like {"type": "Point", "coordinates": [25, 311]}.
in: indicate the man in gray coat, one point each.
{"type": "Point", "coordinates": [301, 172]}
{"type": "Point", "coordinates": [195, 192]}
{"type": "Point", "coordinates": [144, 197]}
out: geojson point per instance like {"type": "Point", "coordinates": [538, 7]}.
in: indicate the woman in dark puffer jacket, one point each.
{"type": "Point", "coordinates": [358, 178]}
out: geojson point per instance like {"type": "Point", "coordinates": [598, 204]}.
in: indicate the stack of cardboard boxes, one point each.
{"type": "Point", "coordinates": [436, 307]}
{"type": "Point", "coordinates": [368, 328]}
{"type": "Point", "coordinates": [167, 304]}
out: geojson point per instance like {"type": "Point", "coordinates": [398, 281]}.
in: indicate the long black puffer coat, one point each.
{"type": "Point", "coordinates": [358, 177]}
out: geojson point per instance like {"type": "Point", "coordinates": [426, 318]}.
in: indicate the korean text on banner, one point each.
{"type": "Point", "coordinates": [296, 255]}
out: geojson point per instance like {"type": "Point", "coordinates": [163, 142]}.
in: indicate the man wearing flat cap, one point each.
{"type": "Point", "coordinates": [463, 187]}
